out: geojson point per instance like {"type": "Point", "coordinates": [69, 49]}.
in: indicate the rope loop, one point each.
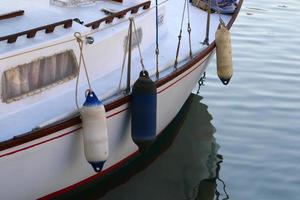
{"type": "Point", "coordinates": [88, 91]}
{"type": "Point", "coordinates": [77, 36]}
{"type": "Point", "coordinates": [81, 61]}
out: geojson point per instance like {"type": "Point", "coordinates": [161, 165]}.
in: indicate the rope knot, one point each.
{"type": "Point", "coordinates": [79, 40]}
{"type": "Point", "coordinates": [77, 35]}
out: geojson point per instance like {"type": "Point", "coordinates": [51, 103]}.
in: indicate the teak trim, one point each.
{"type": "Point", "coordinates": [115, 104]}
{"type": "Point", "coordinates": [32, 32]}
{"type": "Point", "coordinates": [12, 14]}
{"type": "Point", "coordinates": [109, 19]}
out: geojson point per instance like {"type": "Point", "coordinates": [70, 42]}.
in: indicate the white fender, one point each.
{"type": "Point", "coordinates": [224, 54]}
{"type": "Point", "coordinates": [95, 137]}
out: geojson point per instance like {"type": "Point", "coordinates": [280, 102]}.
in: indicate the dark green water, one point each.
{"type": "Point", "coordinates": [253, 124]}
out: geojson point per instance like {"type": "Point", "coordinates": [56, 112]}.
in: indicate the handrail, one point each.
{"type": "Point", "coordinates": [32, 32]}
{"type": "Point", "coordinates": [109, 19]}
{"type": "Point", "coordinates": [12, 14]}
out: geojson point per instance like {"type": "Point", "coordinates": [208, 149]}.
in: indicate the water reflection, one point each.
{"type": "Point", "coordinates": [189, 169]}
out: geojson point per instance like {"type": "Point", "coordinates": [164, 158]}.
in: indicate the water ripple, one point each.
{"type": "Point", "coordinates": [257, 116]}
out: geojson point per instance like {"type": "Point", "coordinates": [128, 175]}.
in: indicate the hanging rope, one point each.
{"type": "Point", "coordinates": [222, 23]}
{"type": "Point", "coordinates": [189, 29]}
{"type": "Point", "coordinates": [129, 49]}
{"type": "Point", "coordinates": [79, 40]}
{"type": "Point", "coordinates": [138, 44]}
{"type": "Point", "coordinates": [180, 36]}
{"type": "Point", "coordinates": [124, 58]}
{"type": "Point", "coordinates": [157, 47]}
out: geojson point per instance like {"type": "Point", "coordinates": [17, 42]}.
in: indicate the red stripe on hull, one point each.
{"type": "Point", "coordinates": [31, 146]}
{"type": "Point", "coordinates": [89, 179]}
{"type": "Point", "coordinates": [117, 165]}
{"type": "Point", "coordinates": [181, 77]}
{"type": "Point", "coordinates": [106, 171]}
{"type": "Point", "coordinates": [25, 148]}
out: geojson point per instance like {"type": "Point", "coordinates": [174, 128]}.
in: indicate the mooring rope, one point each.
{"type": "Point", "coordinates": [79, 40]}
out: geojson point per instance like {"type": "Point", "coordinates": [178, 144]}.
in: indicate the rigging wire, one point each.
{"type": "Point", "coordinates": [186, 8]}
{"type": "Point", "coordinates": [206, 40]}
{"type": "Point", "coordinates": [180, 35]}
{"type": "Point", "coordinates": [189, 29]}
{"type": "Point", "coordinates": [156, 34]}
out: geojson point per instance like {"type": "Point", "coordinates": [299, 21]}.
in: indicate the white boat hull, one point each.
{"type": "Point", "coordinates": [55, 164]}
{"type": "Point", "coordinates": [49, 161]}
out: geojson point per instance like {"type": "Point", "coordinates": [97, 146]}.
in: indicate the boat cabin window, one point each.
{"type": "Point", "coordinates": [39, 74]}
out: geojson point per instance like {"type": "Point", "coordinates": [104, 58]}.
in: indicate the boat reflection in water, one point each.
{"type": "Point", "coordinates": [188, 168]}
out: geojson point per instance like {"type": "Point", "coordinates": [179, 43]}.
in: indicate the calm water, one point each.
{"type": "Point", "coordinates": [254, 123]}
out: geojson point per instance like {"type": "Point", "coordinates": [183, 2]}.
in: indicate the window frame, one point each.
{"type": "Point", "coordinates": [67, 78]}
